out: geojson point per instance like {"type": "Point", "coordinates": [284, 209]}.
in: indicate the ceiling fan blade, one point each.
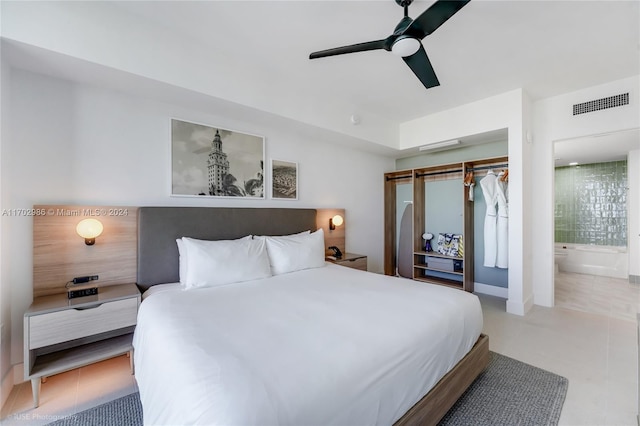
{"type": "Point", "coordinates": [431, 19]}
{"type": "Point", "coordinates": [360, 47]}
{"type": "Point", "coordinates": [421, 67]}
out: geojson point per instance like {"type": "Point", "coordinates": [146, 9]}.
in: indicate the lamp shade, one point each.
{"type": "Point", "coordinates": [337, 220]}
{"type": "Point", "coordinates": [89, 229]}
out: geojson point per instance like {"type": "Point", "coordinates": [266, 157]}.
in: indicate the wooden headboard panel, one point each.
{"type": "Point", "coordinates": [59, 254]}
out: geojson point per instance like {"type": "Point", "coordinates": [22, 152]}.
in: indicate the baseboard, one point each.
{"type": "Point", "coordinates": [6, 386]}
{"type": "Point", "coordinates": [491, 290]}
{"type": "Point", "coordinates": [528, 304]}
{"type": "Point", "coordinates": [519, 308]}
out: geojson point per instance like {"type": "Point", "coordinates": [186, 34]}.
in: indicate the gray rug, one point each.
{"type": "Point", "coordinates": [508, 392]}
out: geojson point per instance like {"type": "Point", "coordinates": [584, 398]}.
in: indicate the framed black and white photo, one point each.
{"type": "Point", "coordinates": [284, 180]}
{"type": "Point", "coordinates": [211, 161]}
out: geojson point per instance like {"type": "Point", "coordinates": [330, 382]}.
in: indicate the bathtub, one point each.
{"type": "Point", "coordinates": [606, 261]}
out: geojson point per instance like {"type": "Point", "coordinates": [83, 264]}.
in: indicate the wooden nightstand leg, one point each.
{"type": "Point", "coordinates": [130, 355]}
{"type": "Point", "coordinates": [35, 389]}
{"type": "Point", "coordinates": [44, 379]}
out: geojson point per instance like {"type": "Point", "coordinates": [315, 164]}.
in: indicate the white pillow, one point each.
{"type": "Point", "coordinates": [215, 263]}
{"type": "Point", "coordinates": [182, 257]}
{"type": "Point", "coordinates": [296, 252]}
{"type": "Point", "coordinates": [182, 260]}
{"type": "Point", "coordinates": [307, 232]}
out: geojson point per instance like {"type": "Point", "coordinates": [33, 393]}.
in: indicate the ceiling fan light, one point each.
{"type": "Point", "coordinates": [405, 46]}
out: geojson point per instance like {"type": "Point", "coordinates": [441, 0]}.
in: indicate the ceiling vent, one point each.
{"type": "Point", "coordinates": [600, 104]}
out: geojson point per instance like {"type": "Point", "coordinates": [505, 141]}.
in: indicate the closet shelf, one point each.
{"type": "Point", "coordinates": [436, 254]}
{"type": "Point", "coordinates": [429, 268]}
{"type": "Point", "coordinates": [441, 281]}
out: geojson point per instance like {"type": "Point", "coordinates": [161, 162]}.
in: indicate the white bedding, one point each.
{"type": "Point", "coordinates": [330, 345]}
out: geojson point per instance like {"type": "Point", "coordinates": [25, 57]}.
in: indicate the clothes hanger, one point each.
{"type": "Point", "coordinates": [468, 179]}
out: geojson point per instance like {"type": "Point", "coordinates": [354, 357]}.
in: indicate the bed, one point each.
{"type": "Point", "coordinates": [314, 346]}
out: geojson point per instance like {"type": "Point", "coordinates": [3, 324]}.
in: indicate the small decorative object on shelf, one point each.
{"type": "Point", "coordinates": [427, 237]}
{"type": "Point", "coordinates": [450, 245]}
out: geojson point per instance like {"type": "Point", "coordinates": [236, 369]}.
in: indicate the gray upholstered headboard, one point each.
{"type": "Point", "coordinates": [158, 228]}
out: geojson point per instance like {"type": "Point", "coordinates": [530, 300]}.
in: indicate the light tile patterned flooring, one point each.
{"type": "Point", "coordinates": [589, 337]}
{"type": "Point", "coordinates": [613, 297]}
{"type": "Point", "coordinates": [71, 392]}
{"type": "Point", "coordinates": [589, 344]}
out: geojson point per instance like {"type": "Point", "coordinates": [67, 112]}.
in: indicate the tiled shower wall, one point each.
{"type": "Point", "coordinates": [591, 204]}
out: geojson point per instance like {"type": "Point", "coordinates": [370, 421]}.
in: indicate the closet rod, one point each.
{"type": "Point", "coordinates": [493, 166]}
{"type": "Point", "coordinates": [445, 172]}
{"type": "Point", "coordinates": [398, 177]}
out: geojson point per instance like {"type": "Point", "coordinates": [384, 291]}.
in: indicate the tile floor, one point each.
{"type": "Point", "coordinates": [64, 394]}
{"type": "Point", "coordinates": [589, 338]}
{"type": "Point", "coordinates": [613, 297]}
{"type": "Point", "coordinates": [597, 353]}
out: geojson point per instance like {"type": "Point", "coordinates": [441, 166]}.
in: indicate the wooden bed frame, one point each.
{"type": "Point", "coordinates": [158, 227]}
{"type": "Point", "coordinates": [435, 404]}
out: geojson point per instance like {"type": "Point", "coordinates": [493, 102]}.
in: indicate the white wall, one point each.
{"type": "Point", "coordinates": [553, 120]}
{"type": "Point", "coordinates": [495, 113]}
{"type": "Point", "coordinates": [79, 144]}
{"type": "Point", "coordinates": [633, 206]}
{"type": "Point", "coordinates": [6, 378]}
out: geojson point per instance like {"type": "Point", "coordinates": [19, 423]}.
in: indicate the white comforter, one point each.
{"type": "Point", "coordinates": [330, 345]}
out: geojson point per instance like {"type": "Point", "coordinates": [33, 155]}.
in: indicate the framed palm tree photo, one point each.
{"type": "Point", "coordinates": [208, 161]}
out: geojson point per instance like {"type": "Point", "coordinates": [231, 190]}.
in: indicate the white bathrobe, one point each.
{"type": "Point", "coordinates": [489, 190]}
{"type": "Point", "coordinates": [502, 196]}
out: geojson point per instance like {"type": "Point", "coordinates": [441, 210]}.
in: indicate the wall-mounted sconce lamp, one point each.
{"type": "Point", "coordinates": [337, 220]}
{"type": "Point", "coordinates": [89, 229]}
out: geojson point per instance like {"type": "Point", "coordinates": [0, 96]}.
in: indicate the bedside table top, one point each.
{"type": "Point", "coordinates": [348, 256]}
{"type": "Point", "coordinates": [60, 302]}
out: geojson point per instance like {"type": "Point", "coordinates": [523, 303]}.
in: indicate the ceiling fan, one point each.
{"type": "Point", "coordinates": [405, 40]}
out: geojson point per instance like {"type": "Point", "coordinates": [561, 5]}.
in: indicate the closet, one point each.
{"type": "Point", "coordinates": [441, 209]}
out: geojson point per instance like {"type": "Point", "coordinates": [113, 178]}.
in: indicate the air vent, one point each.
{"type": "Point", "coordinates": [600, 104]}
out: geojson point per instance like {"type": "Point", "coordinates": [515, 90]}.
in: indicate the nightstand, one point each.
{"type": "Point", "coordinates": [352, 260]}
{"type": "Point", "coordinates": [61, 334]}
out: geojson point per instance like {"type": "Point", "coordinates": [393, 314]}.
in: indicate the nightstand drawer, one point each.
{"type": "Point", "coordinates": [62, 326]}
{"type": "Point", "coordinates": [360, 263]}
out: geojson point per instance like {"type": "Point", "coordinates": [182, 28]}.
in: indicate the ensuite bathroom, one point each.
{"type": "Point", "coordinates": [596, 220]}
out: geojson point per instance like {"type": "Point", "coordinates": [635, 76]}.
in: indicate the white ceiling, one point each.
{"type": "Point", "coordinates": [487, 48]}
{"type": "Point", "coordinates": [596, 148]}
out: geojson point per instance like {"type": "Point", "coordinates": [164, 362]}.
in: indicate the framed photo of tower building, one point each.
{"type": "Point", "coordinates": [211, 161]}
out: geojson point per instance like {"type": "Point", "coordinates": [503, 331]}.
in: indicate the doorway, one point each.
{"type": "Point", "coordinates": [596, 215]}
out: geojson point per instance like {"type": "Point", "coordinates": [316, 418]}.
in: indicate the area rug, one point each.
{"type": "Point", "coordinates": [508, 392]}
